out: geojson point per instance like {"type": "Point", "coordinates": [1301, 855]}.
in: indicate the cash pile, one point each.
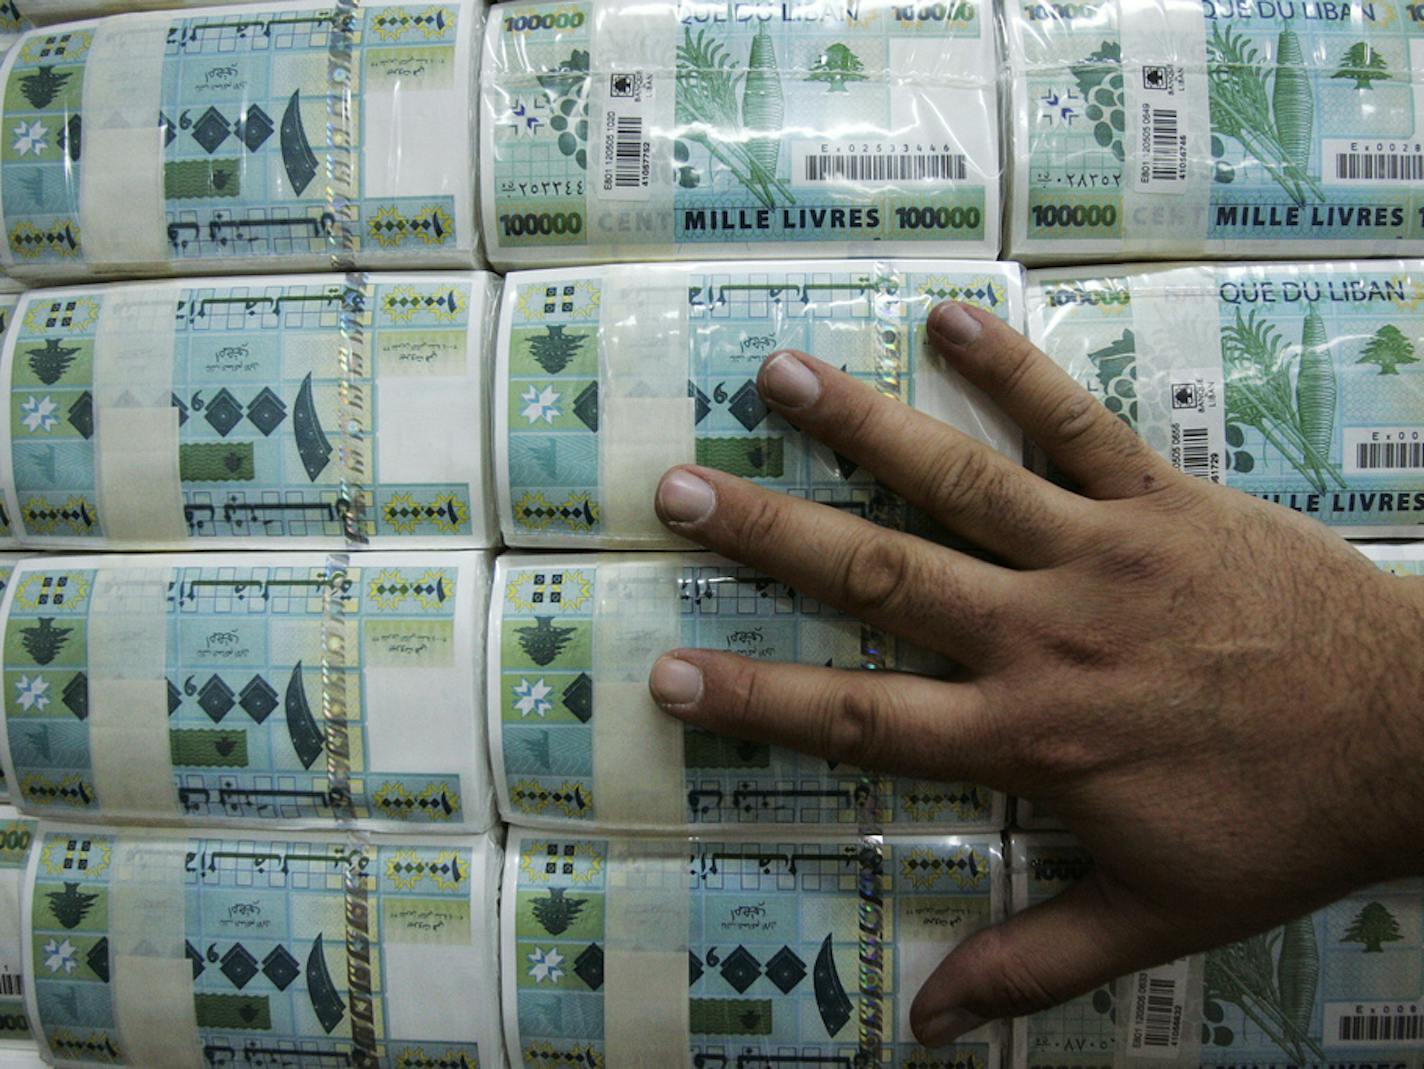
{"type": "Point", "coordinates": [1341, 986]}
{"type": "Point", "coordinates": [628, 129]}
{"type": "Point", "coordinates": [320, 411]}
{"type": "Point", "coordinates": [605, 377]}
{"type": "Point", "coordinates": [1220, 128]}
{"type": "Point", "coordinates": [577, 742]}
{"type": "Point", "coordinates": [240, 139]}
{"type": "Point", "coordinates": [784, 951]}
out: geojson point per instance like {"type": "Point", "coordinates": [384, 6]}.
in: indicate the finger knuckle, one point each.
{"type": "Point", "coordinates": [956, 479]}
{"type": "Point", "coordinates": [875, 575]}
{"type": "Point", "coordinates": [761, 523]}
{"type": "Point", "coordinates": [1016, 361]}
{"type": "Point", "coordinates": [852, 726]}
{"type": "Point", "coordinates": [1076, 418]}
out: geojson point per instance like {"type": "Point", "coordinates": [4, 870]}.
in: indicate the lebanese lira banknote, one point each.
{"type": "Point", "coordinates": [576, 741]}
{"type": "Point", "coordinates": [9, 298]}
{"type": "Point", "coordinates": [1300, 384]}
{"type": "Point", "coordinates": [241, 138]}
{"type": "Point", "coordinates": [626, 130]}
{"type": "Point", "coordinates": [1246, 128]}
{"type": "Point", "coordinates": [7, 566]}
{"type": "Point", "coordinates": [1341, 987]}
{"type": "Point", "coordinates": [13, 22]}
{"type": "Point", "coordinates": [249, 688]}
{"type": "Point", "coordinates": [17, 836]}
{"type": "Point", "coordinates": [315, 411]}
{"type": "Point", "coordinates": [748, 954]}
{"type": "Point", "coordinates": [149, 949]}
{"type": "Point", "coordinates": [607, 376]}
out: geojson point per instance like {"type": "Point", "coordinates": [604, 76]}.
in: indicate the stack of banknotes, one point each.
{"type": "Point", "coordinates": [1340, 987]}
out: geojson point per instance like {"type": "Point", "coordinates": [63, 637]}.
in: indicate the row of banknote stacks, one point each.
{"type": "Point", "coordinates": [311, 778]}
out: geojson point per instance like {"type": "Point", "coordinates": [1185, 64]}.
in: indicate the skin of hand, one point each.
{"type": "Point", "coordinates": [1222, 698]}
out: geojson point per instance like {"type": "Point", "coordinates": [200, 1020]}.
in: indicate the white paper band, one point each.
{"type": "Point", "coordinates": [152, 985]}
{"type": "Point", "coordinates": [637, 748]}
{"type": "Point", "coordinates": [135, 422]}
{"type": "Point", "coordinates": [646, 418]}
{"type": "Point", "coordinates": [1159, 1016]}
{"type": "Point", "coordinates": [129, 745]}
{"type": "Point", "coordinates": [646, 1011]}
{"type": "Point", "coordinates": [121, 215]}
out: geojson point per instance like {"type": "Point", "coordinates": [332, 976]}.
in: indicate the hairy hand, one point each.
{"type": "Point", "coordinates": [1224, 700]}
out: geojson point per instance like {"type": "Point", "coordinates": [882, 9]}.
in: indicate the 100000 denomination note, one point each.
{"type": "Point", "coordinates": [615, 129]}
{"type": "Point", "coordinates": [239, 139]}
{"type": "Point", "coordinates": [1238, 128]}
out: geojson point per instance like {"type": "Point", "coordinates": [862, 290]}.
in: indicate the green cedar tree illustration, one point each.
{"type": "Point", "coordinates": [1374, 926]}
{"type": "Point", "coordinates": [50, 363]}
{"type": "Point", "coordinates": [44, 642]}
{"type": "Point", "coordinates": [556, 912]}
{"type": "Point", "coordinates": [43, 86]}
{"type": "Point", "coordinates": [1364, 64]}
{"type": "Point", "coordinates": [1388, 348]}
{"type": "Point", "coordinates": [70, 905]}
{"type": "Point", "coordinates": [554, 350]}
{"type": "Point", "coordinates": [836, 66]}
{"type": "Point", "coordinates": [543, 642]}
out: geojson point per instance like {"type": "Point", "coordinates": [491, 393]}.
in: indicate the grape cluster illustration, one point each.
{"type": "Point", "coordinates": [1099, 79]}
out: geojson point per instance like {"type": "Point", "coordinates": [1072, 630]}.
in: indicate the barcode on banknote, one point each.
{"type": "Point", "coordinates": [896, 167]}
{"type": "Point", "coordinates": [628, 169]}
{"type": "Point", "coordinates": [1166, 148]}
{"type": "Point", "coordinates": [1379, 166]}
{"type": "Point", "coordinates": [1377, 1023]}
{"type": "Point", "coordinates": [1383, 450]}
{"type": "Point", "coordinates": [1156, 1011]}
{"type": "Point", "coordinates": [1196, 452]}
{"type": "Point", "coordinates": [1160, 1016]}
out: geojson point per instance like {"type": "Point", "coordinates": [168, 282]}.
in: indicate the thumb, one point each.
{"type": "Point", "coordinates": [1091, 933]}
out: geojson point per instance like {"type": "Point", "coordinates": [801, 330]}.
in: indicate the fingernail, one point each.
{"type": "Point", "coordinates": [684, 498]}
{"type": "Point", "coordinates": [675, 682]}
{"type": "Point", "coordinates": [948, 1027]}
{"type": "Point", "coordinates": [950, 323]}
{"type": "Point", "coordinates": [787, 381]}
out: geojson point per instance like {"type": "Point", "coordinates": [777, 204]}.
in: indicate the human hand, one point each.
{"type": "Point", "coordinates": [1210, 690]}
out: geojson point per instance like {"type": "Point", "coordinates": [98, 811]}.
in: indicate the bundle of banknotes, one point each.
{"type": "Point", "coordinates": [149, 949]}
{"type": "Point", "coordinates": [663, 952]}
{"type": "Point", "coordinates": [323, 411]}
{"type": "Point", "coordinates": [1302, 384]}
{"type": "Point", "coordinates": [576, 740]}
{"type": "Point", "coordinates": [1343, 986]}
{"type": "Point", "coordinates": [607, 376]}
{"type": "Point", "coordinates": [630, 129]}
{"type": "Point", "coordinates": [1193, 128]}
{"type": "Point", "coordinates": [232, 689]}
{"type": "Point", "coordinates": [233, 139]}
{"type": "Point", "coordinates": [17, 836]}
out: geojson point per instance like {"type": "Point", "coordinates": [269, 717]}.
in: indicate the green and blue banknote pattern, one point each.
{"type": "Point", "coordinates": [778, 953]}
{"type": "Point", "coordinates": [17, 836]}
{"type": "Point", "coordinates": [221, 688]}
{"type": "Point", "coordinates": [1342, 986]}
{"type": "Point", "coordinates": [297, 951]}
{"type": "Point", "coordinates": [703, 331]}
{"type": "Point", "coordinates": [545, 704]}
{"type": "Point", "coordinates": [614, 129]}
{"type": "Point", "coordinates": [1226, 127]}
{"type": "Point", "coordinates": [8, 302]}
{"type": "Point", "coordinates": [7, 566]}
{"type": "Point", "coordinates": [1299, 384]}
{"type": "Point", "coordinates": [317, 411]}
{"type": "Point", "coordinates": [265, 134]}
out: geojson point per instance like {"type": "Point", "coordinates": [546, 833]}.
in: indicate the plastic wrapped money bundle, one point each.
{"type": "Point", "coordinates": [1214, 128]}
{"type": "Point", "coordinates": [249, 688]}
{"type": "Point", "coordinates": [17, 836]}
{"type": "Point", "coordinates": [654, 952]}
{"type": "Point", "coordinates": [152, 950]}
{"type": "Point", "coordinates": [577, 741]}
{"type": "Point", "coordinates": [626, 129]}
{"type": "Point", "coordinates": [1339, 987]}
{"type": "Point", "coordinates": [1301, 384]}
{"type": "Point", "coordinates": [606, 377]}
{"type": "Point", "coordinates": [241, 138]}
{"type": "Point", "coordinates": [322, 411]}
